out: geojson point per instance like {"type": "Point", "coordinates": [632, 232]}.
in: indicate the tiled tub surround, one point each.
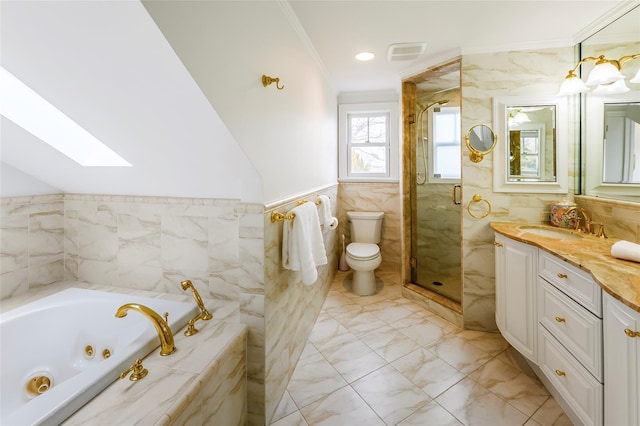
{"type": "Point", "coordinates": [203, 382]}
{"type": "Point", "coordinates": [619, 278]}
{"type": "Point", "coordinates": [152, 243]}
{"type": "Point", "coordinates": [291, 308]}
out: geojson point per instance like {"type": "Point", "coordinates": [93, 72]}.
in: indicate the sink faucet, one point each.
{"type": "Point", "coordinates": [162, 327]}
{"type": "Point", "coordinates": [587, 219]}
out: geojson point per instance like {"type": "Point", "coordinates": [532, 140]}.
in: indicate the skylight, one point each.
{"type": "Point", "coordinates": [20, 104]}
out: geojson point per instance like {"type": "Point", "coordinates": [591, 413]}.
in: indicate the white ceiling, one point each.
{"type": "Point", "coordinates": [338, 30]}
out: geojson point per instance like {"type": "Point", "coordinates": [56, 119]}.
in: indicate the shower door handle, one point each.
{"type": "Point", "coordinates": [456, 194]}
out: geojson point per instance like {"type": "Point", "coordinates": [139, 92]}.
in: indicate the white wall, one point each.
{"type": "Point", "coordinates": [288, 135]}
{"type": "Point", "coordinates": [13, 183]}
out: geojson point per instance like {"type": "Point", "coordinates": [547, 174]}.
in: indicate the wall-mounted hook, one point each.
{"type": "Point", "coordinates": [266, 80]}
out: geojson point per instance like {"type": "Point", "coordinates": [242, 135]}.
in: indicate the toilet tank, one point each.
{"type": "Point", "coordinates": [366, 227]}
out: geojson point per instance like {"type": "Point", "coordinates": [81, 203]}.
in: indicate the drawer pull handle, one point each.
{"type": "Point", "coordinates": [560, 275]}
{"type": "Point", "coordinates": [497, 244]}
{"type": "Point", "coordinates": [560, 373]}
{"type": "Point", "coordinates": [631, 333]}
{"type": "Point", "coordinates": [560, 319]}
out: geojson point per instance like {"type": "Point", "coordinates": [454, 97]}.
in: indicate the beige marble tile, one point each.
{"type": "Point", "coordinates": [474, 405]}
{"type": "Point", "coordinates": [293, 419]}
{"type": "Point", "coordinates": [523, 392]}
{"type": "Point", "coordinates": [428, 372]}
{"type": "Point", "coordinates": [313, 379]}
{"type": "Point", "coordinates": [430, 414]}
{"type": "Point", "coordinates": [389, 343]}
{"type": "Point", "coordinates": [342, 407]}
{"type": "Point", "coordinates": [285, 407]}
{"type": "Point", "coordinates": [392, 396]}
{"type": "Point", "coordinates": [491, 343]}
{"type": "Point", "coordinates": [419, 329]}
{"type": "Point", "coordinates": [551, 414]}
{"type": "Point", "coordinates": [353, 359]}
{"type": "Point", "coordinates": [459, 353]}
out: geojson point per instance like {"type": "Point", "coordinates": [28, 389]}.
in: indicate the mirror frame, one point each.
{"type": "Point", "coordinates": [593, 138]}
{"type": "Point", "coordinates": [476, 155]}
{"type": "Point", "coordinates": [500, 170]}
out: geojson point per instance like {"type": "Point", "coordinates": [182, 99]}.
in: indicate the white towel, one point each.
{"type": "Point", "coordinates": [626, 250]}
{"type": "Point", "coordinates": [302, 244]}
{"type": "Point", "coordinates": [324, 211]}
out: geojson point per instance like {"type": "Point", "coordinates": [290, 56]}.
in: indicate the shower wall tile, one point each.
{"type": "Point", "coordinates": [531, 72]}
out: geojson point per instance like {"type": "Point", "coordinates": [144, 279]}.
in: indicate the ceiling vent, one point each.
{"type": "Point", "coordinates": [405, 51]}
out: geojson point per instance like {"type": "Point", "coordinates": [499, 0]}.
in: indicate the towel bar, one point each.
{"type": "Point", "coordinates": [279, 217]}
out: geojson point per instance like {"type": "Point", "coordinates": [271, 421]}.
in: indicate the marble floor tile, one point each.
{"type": "Point", "coordinates": [389, 343]}
{"type": "Point", "coordinates": [430, 414]}
{"type": "Point", "coordinates": [512, 385]}
{"type": "Point", "coordinates": [313, 379]}
{"type": "Point", "coordinates": [342, 407]}
{"type": "Point", "coordinates": [474, 405]}
{"type": "Point", "coordinates": [353, 360]}
{"type": "Point", "coordinates": [550, 414]}
{"type": "Point", "coordinates": [459, 353]}
{"type": "Point", "coordinates": [383, 359]}
{"type": "Point", "coordinates": [428, 372]}
{"type": "Point", "coordinates": [391, 395]}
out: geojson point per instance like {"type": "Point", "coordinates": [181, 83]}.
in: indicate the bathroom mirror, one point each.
{"type": "Point", "coordinates": [612, 146]}
{"type": "Point", "coordinates": [609, 122]}
{"type": "Point", "coordinates": [480, 140]}
{"type": "Point", "coordinates": [532, 154]}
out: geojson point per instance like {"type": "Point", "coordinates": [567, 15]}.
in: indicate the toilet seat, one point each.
{"type": "Point", "coordinates": [363, 251]}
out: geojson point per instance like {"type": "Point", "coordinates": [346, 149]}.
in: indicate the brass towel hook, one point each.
{"type": "Point", "coordinates": [266, 80]}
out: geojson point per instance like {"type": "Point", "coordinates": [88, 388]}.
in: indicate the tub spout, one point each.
{"type": "Point", "coordinates": [162, 327]}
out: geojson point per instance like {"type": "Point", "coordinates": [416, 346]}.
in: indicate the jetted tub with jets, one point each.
{"type": "Point", "coordinates": [60, 351]}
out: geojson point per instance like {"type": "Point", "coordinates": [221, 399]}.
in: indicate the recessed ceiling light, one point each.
{"type": "Point", "coordinates": [365, 56]}
{"type": "Point", "coordinates": [37, 116]}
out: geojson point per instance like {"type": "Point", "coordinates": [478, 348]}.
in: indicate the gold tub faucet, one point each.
{"type": "Point", "coordinates": [203, 315]}
{"type": "Point", "coordinates": [162, 327]}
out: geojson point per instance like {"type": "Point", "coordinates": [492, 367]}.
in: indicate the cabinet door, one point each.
{"type": "Point", "coordinates": [621, 363]}
{"type": "Point", "coordinates": [515, 294]}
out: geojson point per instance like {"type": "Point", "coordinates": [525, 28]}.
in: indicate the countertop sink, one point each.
{"type": "Point", "coordinates": [562, 234]}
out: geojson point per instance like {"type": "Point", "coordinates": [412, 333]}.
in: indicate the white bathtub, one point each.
{"type": "Point", "coordinates": [48, 338]}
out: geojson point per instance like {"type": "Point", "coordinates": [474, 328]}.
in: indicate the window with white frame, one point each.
{"type": "Point", "coordinates": [445, 149]}
{"type": "Point", "coordinates": [368, 142]}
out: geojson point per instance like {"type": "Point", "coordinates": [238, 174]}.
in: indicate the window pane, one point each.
{"type": "Point", "coordinates": [378, 128]}
{"type": "Point", "coordinates": [447, 161]}
{"type": "Point", "coordinates": [530, 145]}
{"type": "Point", "coordinates": [529, 165]}
{"type": "Point", "coordinates": [446, 127]}
{"type": "Point", "coordinates": [358, 129]}
{"type": "Point", "coordinates": [370, 159]}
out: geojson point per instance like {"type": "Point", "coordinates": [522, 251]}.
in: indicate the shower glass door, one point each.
{"type": "Point", "coordinates": [436, 210]}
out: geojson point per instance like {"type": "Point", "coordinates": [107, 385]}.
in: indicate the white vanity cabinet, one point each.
{"type": "Point", "coordinates": [516, 272]}
{"type": "Point", "coordinates": [621, 363]}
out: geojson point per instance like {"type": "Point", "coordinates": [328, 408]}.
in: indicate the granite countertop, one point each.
{"type": "Point", "coordinates": [619, 278]}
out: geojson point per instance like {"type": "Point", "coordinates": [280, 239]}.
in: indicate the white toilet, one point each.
{"type": "Point", "coordinates": [363, 253]}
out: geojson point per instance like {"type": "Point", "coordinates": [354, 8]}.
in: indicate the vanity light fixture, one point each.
{"type": "Point", "coordinates": [23, 106]}
{"type": "Point", "coordinates": [606, 76]}
{"type": "Point", "coordinates": [365, 56]}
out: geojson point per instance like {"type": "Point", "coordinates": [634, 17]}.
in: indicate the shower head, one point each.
{"type": "Point", "coordinates": [436, 104]}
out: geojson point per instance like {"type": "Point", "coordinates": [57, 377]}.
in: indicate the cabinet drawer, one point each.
{"type": "Point", "coordinates": [579, 388]}
{"type": "Point", "coordinates": [577, 329]}
{"type": "Point", "coordinates": [575, 282]}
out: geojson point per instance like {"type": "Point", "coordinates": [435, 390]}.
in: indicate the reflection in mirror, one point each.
{"type": "Point", "coordinates": [531, 143]}
{"type": "Point", "coordinates": [621, 147]}
{"type": "Point", "coordinates": [606, 141]}
{"type": "Point", "coordinates": [480, 140]}
{"type": "Point", "coordinates": [534, 155]}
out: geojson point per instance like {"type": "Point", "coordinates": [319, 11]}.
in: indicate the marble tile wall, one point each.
{"type": "Point", "coordinates": [621, 219]}
{"type": "Point", "coordinates": [31, 243]}
{"type": "Point", "coordinates": [146, 243]}
{"type": "Point", "coordinates": [291, 307]}
{"type": "Point", "coordinates": [532, 72]}
{"type": "Point", "coordinates": [381, 197]}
